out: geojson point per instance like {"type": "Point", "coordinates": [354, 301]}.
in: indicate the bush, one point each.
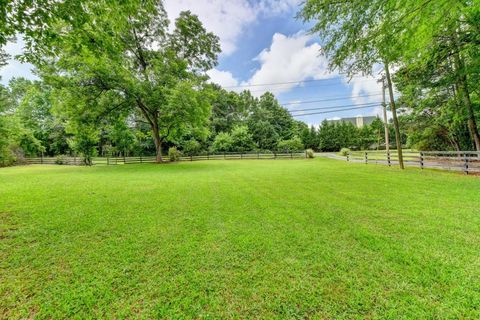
{"type": "Point", "coordinates": [223, 142]}
{"type": "Point", "coordinates": [310, 154]}
{"type": "Point", "coordinates": [61, 159]}
{"type": "Point", "coordinates": [242, 140]}
{"type": "Point", "coordinates": [7, 158]}
{"type": "Point", "coordinates": [191, 147]}
{"type": "Point", "coordinates": [173, 154]}
{"type": "Point", "coordinates": [294, 144]}
{"type": "Point", "coordinates": [344, 152]}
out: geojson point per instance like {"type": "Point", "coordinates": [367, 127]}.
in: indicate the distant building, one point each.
{"type": "Point", "coordinates": [358, 122]}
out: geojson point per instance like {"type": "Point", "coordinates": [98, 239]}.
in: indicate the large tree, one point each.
{"type": "Point", "coordinates": [357, 36]}
{"type": "Point", "coordinates": [121, 55]}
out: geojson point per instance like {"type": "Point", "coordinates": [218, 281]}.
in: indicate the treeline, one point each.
{"type": "Point", "coordinates": [433, 47]}
{"type": "Point", "coordinates": [32, 125]}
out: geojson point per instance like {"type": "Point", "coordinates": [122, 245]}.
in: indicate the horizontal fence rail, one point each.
{"type": "Point", "coordinates": [462, 161]}
{"type": "Point", "coordinates": [152, 159]}
{"type": "Point", "coordinates": [465, 161]}
{"type": "Point", "coordinates": [55, 160]}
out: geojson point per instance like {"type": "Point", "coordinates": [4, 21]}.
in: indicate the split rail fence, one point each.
{"type": "Point", "coordinates": [151, 159]}
{"type": "Point", "coordinates": [465, 161]}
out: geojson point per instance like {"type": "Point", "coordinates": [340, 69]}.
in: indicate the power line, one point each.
{"type": "Point", "coordinates": [290, 82]}
{"type": "Point", "coordinates": [313, 113]}
{"type": "Point", "coordinates": [370, 104]}
{"type": "Point", "coordinates": [330, 99]}
{"type": "Point", "coordinates": [313, 85]}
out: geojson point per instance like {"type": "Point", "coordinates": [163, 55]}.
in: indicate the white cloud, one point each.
{"type": "Point", "coordinates": [365, 86]}
{"type": "Point", "coordinates": [228, 19]}
{"type": "Point", "coordinates": [14, 68]}
{"type": "Point", "coordinates": [289, 59]}
{"type": "Point", "coordinates": [276, 7]}
{"type": "Point", "coordinates": [222, 78]}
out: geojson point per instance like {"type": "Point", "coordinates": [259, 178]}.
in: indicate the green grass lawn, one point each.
{"type": "Point", "coordinates": [239, 239]}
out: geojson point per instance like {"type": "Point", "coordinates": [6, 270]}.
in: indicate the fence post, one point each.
{"type": "Point", "coordinates": [421, 160]}
{"type": "Point", "coordinates": [366, 158]}
{"type": "Point", "coordinates": [41, 158]}
{"type": "Point", "coordinates": [465, 157]}
{"type": "Point", "coordinates": [241, 155]}
{"type": "Point", "coordinates": [224, 156]}
{"type": "Point", "coordinates": [274, 155]}
{"type": "Point", "coordinates": [75, 159]}
{"type": "Point", "coordinates": [141, 160]}
{"type": "Point", "coordinates": [291, 155]}
{"type": "Point", "coordinates": [388, 158]}
{"type": "Point", "coordinates": [348, 156]}
{"type": "Point", "coordinates": [258, 155]}
{"type": "Point", "coordinates": [124, 159]}
{"type": "Point", "coordinates": [208, 155]}
{"type": "Point", "coordinates": [191, 158]}
{"type": "Point", "coordinates": [108, 160]}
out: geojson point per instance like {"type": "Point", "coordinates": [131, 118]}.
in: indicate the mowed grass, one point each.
{"type": "Point", "coordinates": [319, 238]}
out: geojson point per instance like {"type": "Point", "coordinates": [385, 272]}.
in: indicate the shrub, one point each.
{"type": "Point", "coordinates": [242, 140]}
{"type": "Point", "coordinates": [173, 154]}
{"type": "Point", "coordinates": [294, 144]}
{"type": "Point", "coordinates": [191, 147]}
{"type": "Point", "coordinates": [7, 158]}
{"type": "Point", "coordinates": [344, 152]}
{"type": "Point", "coordinates": [61, 159]}
{"type": "Point", "coordinates": [310, 154]}
{"type": "Point", "coordinates": [223, 142]}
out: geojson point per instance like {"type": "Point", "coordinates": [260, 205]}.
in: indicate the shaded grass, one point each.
{"type": "Point", "coordinates": [239, 239]}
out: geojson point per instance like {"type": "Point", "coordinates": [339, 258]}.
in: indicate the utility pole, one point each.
{"type": "Point", "coordinates": [385, 119]}
{"type": "Point", "coordinates": [395, 118]}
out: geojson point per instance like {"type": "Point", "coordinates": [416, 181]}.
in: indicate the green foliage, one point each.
{"type": "Point", "coordinates": [61, 159]}
{"type": "Point", "coordinates": [229, 109]}
{"type": "Point", "coordinates": [7, 141]}
{"type": "Point", "coordinates": [121, 136]}
{"type": "Point", "coordinates": [223, 142]}
{"type": "Point", "coordinates": [173, 154]}
{"type": "Point", "coordinates": [131, 61]}
{"type": "Point", "coordinates": [191, 147]}
{"type": "Point", "coordinates": [344, 152]}
{"type": "Point", "coordinates": [433, 44]}
{"type": "Point", "coordinates": [290, 145]}
{"type": "Point", "coordinates": [242, 140]}
{"type": "Point", "coordinates": [84, 142]}
{"type": "Point", "coordinates": [334, 136]}
{"type": "Point", "coordinates": [310, 153]}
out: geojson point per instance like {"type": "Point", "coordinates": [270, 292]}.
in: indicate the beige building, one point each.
{"type": "Point", "coordinates": [358, 121]}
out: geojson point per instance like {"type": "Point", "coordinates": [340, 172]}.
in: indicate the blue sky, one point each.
{"type": "Point", "coordinates": [263, 43]}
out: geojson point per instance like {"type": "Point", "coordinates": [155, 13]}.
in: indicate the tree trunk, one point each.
{"type": "Point", "coordinates": [158, 143]}
{"type": "Point", "coordinates": [462, 86]}
{"type": "Point", "coordinates": [471, 122]}
{"type": "Point", "coordinates": [395, 119]}
{"type": "Point", "coordinates": [151, 117]}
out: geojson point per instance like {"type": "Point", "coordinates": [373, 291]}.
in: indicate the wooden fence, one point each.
{"type": "Point", "coordinates": [65, 160]}
{"type": "Point", "coordinates": [151, 159]}
{"type": "Point", "coordinates": [465, 161]}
